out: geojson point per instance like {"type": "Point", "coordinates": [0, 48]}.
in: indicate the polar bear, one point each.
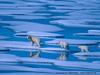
{"type": "Point", "coordinates": [83, 48]}
{"type": "Point", "coordinates": [34, 40]}
{"type": "Point", "coordinates": [64, 44]}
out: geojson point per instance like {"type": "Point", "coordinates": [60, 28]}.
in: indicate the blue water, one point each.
{"type": "Point", "coordinates": [85, 11]}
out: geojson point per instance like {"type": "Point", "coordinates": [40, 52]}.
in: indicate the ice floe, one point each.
{"type": "Point", "coordinates": [8, 58]}
{"type": "Point", "coordinates": [88, 34]}
{"type": "Point", "coordinates": [15, 12]}
{"type": "Point", "coordinates": [88, 54]}
{"type": "Point", "coordinates": [4, 49]}
{"type": "Point", "coordinates": [97, 62]}
{"type": "Point", "coordinates": [14, 45]}
{"type": "Point", "coordinates": [84, 65]}
{"type": "Point", "coordinates": [72, 64]}
{"type": "Point", "coordinates": [57, 73]}
{"type": "Point", "coordinates": [11, 59]}
{"type": "Point", "coordinates": [27, 17]}
{"type": "Point", "coordinates": [3, 37]}
{"type": "Point", "coordinates": [93, 31]}
{"type": "Point", "coordinates": [20, 26]}
{"type": "Point", "coordinates": [73, 23]}
{"type": "Point", "coordinates": [72, 41]}
{"type": "Point", "coordinates": [39, 34]}
{"type": "Point", "coordinates": [24, 69]}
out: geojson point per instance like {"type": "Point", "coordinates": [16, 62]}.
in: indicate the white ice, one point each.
{"type": "Point", "coordinates": [72, 41]}
{"type": "Point", "coordinates": [78, 64]}
{"type": "Point", "coordinates": [39, 34]}
{"type": "Point", "coordinates": [88, 34]}
{"type": "Point", "coordinates": [73, 23]}
{"type": "Point", "coordinates": [28, 17]}
{"type": "Point", "coordinates": [49, 61]}
{"type": "Point", "coordinates": [20, 46]}
{"type": "Point", "coordinates": [97, 62]}
{"type": "Point", "coordinates": [88, 54]}
{"type": "Point", "coordinates": [3, 37]}
{"type": "Point", "coordinates": [93, 31]}
{"type": "Point", "coordinates": [8, 58]}
{"type": "Point", "coordinates": [26, 69]}
{"type": "Point", "coordinates": [58, 10]}
{"type": "Point", "coordinates": [15, 12]}
{"type": "Point", "coordinates": [13, 59]}
{"type": "Point", "coordinates": [20, 26]}
{"type": "Point", "coordinates": [3, 49]}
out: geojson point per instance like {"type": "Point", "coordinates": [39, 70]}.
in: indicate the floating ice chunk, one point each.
{"type": "Point", "coordinates": [7, 55]}
{"type": "Point", "coordinates": [15, 12]}
{"type": "Point", "coordinates": [29, 17]}
{"type": "Point", "coordinates": [88, 54]}
{"type": "Point", "coordinates": [4, 49]}
{"type": "Point", "coordinates": [22, 8]}
{"type": "Point", "coordinates": [14, 45]}
{"type": "Point", "coordinates": [3, 37]}
{"type": "Point", "coordinates": [25, 4]}
{"type": "Point", "coordinates": [34, 3]}
{"type": "Point", "coordinates": [9, 1]}
{"type": "Point", "coordinates": [72, 41]}
{"type": "Point", "coordinates": [58, 73]}
{"type": "Point", "coordinates": [9, 58]}
{"type": "Point", "coordinates": [23, 73]}
{"type": "Point", "coordinates": [82, 57]}
{"type": "Point", "coordinates": [85, 13]}
{"type": "Point", "coordinates": [20, 26]}
{"type": "Point", "coordinates": [99, 46]}
{"type": "Point", "coordinates": [39, 34]}
{"type": "Point", "coordinates": [75, 64]}
{"type": "Point", "coordinates": [27, 69]}
{"type": "Point", "coordinates": [97, 62]}
{"type": "Point", "coordinates": [71, 7]}
{"type": "Point", "coordinates": [39, 14]}
{"type": "Point", "coordinates": [20, 48]}
{"type": "Point", "coordinates": [88, 34]}
{"type": "Point", "coordinates": [59, 11]}
{"type": "Point", "coordinates": [74, 23]}
{"type": "Point", "coordinates": [60, 17]}
{"type": "Point", "coordinates": [53, 49]}
{"type": "Point", "coordinates": [36, 60]}
{"type": "Point", "coordinates": [58, 2]}
{"type": "Point", "coordinates": [26, 73]}
{"type": "Point", "coordinates": [93, 31]}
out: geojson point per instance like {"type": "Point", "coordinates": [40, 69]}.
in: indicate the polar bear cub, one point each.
{"type": "Point", "coordinates": [63, 44]}
{"type": "Point", "coordinates": [83, 48]}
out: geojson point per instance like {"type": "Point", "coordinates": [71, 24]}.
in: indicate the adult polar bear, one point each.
{"type": "Point", "coordinates": [35, 41]}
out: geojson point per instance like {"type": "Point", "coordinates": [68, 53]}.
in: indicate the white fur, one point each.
{"type": "Point", "coordinates": [83, 48]}
{"type": "Point", "coordinates": [63, 44]}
